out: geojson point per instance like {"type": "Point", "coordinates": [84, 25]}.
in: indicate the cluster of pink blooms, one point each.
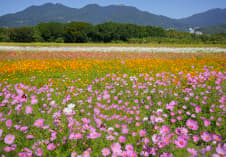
{"type": "Point", "coordinates": [117, 115]}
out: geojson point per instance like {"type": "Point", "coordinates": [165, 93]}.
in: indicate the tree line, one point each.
{"type": "Point", "coordinates": [80, 32]}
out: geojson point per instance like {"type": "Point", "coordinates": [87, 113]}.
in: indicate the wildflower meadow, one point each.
{"type": "Point", "coordinates": [129, 104]}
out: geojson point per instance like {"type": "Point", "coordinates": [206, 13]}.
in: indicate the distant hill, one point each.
{"type": "Point", "coordinates": [211, 17]}
{"type": "Point", "coordinates": [96, 14]}
{"type": "Point", "coordinates": [213, 29]}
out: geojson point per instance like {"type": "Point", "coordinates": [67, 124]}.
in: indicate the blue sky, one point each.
{"type": "Point", "coordinates": [170, 8]}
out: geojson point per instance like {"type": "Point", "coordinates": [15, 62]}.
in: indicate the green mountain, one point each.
{"type": "Point", "coordinates": [92, 13]}
{"type": "Point", "coordinates": [211, 17]}
{"type": "Point", "coordinates": [96, 14]}
{"type": "Point", "coordinates": [213, 29]}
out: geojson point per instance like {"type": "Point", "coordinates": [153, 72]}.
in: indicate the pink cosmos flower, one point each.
{"type": "Point", "coordinates": [146, 140]}
{"type": "Point", "coordinates": [217, 137]}
{"type": "Point", "coordinates": [155, 138]}
{"type": "Point", "coordinates": [125, 131]}
{"type": "Point", "coordinates": [8, 123]}
{"type": "Point", "coordinates": [173, 120]}
{"type": "Point", "coordinates": [161, 144]}
{"type": "Point", "coordinates": [221, 150]}
{"type": "Point", "coordinates": [129, 147]}
{"type": "Point", "coordinates": [206, 137]}
{"type": "Point", "coordinates": [9, 139]}
{"type": "Point", "coordinates": [20, 92]}
{"type": "Point", "coordinates": [181, 142]}
{"type": "Point", "coordinates": [94, 135]}
{"type": "Point", "coordinates": [105, 152]}
{"type": "Point", "coordinates": [165, 129]}
{"type": "Point", "coordinates": [39, 152]}
{"type": "Point", "coordinates": [34, 101]}
{"type": "Point", "coordinates": [192, 151]}
{"type": "Point", "coordinates": [75, 136]}
{"type": "Point", "coordinates": [142, 133]}
{"type": "Point", "coordinates": [28, 110]}
{"type": "Point", "coordinates": [192, 124]}
{"type": "Point", "coordinates": [115, 146]}
{"type": "Point", "coordinates": [73, 154]}
{"type": "Point", "coordinates": [179, 118]}
{"type": "Point", "coordinates": [23, 154]}
{"type": "Point", "coordinates": [206, 122]}
{"type": "Point", "coordinates": [195, 138]}
{"type": "Point", "coordinates": [29, 137]}
{"type": "Point", "coordinates": [7, 149]}
{"type": "Point", "coordinates": [51, 146]}
{"type": "Point", "coordinates": [198, 109]}
{"type": "Point", "coordinates": [166, 154]}
{"type": "Point", "coordinates": [1, 131]}
{"type": "Point", "coordinates": [106, 96]}
{"type": "Point", "coordinates": [39, 122]}
{"type": "Point", "coordinates": [122, 139]}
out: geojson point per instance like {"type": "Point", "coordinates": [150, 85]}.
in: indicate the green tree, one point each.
{"type": "Point", "coordinates": [79, 32]}
{"type": "Point", "coordinates": [4, 35]}
{"type": "Point", "coordinates": [49, 32]}
{"type": "Point", "coordinates": [21, 34]}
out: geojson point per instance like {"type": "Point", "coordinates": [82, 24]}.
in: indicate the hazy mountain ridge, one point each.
{"type": "Point", "coordinates": [211, 17]}
{"type": "Point", "coordinates": [213, 29]}
{"type": "Point", "coordinates": [96, 14]}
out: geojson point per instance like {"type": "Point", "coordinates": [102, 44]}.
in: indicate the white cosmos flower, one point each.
{"type": "Point", "coordinates": [116, 49]}
{"type": "Point", "coordinates": [110, 129]}
{"type": "Point", "coordinates": [145, 118]}
{"type": "Point", "coordinates": [52, 103]}
{"type": "Point", "coordinates": [67, 111]}
{"type": "Point", "coordinates": [71, 106]}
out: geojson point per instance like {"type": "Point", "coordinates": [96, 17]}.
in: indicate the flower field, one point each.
{"type": "Point", "coordinates": [112, 104]}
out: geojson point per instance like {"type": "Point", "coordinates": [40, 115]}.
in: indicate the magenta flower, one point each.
{"type": "Point", "coordinates": [1, 131]}
{"type": "Point", "coordinates": [165, 129]}
{"type": "Point", "coordinates": [23, 154]}
{"type": "Point", "coordinates": [34, 101]}
{"type": "Point", "coordinates": [192, 151]}
{"type": "Point", "coordinates": [125, 131]}
{"type": "Point", "coordinates": [166, 154]}
{"type": "Point", "coordinates": [39, 152]}
{"type": "Point", "coordinates": [106, 96]}
{"type": "Point", "coordinates": [221, 150]}
{"type": "Point", "coordinates": [73, 154]}
{"type": "Point", "coordinates": [105, 152]}
{"type": "Point", "coordinates": [129, 147]}
{"type": "Point", "coordinates": [142, 133]}
{"type": "Point", "coordinates": [9, 139]}
{"type": "Point", "coordinates": [39, 122]}
{"type": "Point", "coordinates": [94, 135]}
{"type": "Point", "coordinates": [217, 137]}
{"type": "Point", "coordinates": [206, 122]}
{"type": "Point", "coordinates": [195, 138]}
{"type": "Point", "coordinates": [116, 148]}
{"type": "Point", "coordinates": [206, 137]}
{"type": "Point", "coordinates": [51, 146]}
{"type": "Point", "coordinates": [8, 123]}
{"type": "Point", "coordinates": [75, 136]}
{"type": "Point", "coordinates": [28, 110]}
{"type": "Point", "coordinates": [192, 124]}
{"type": "Point", "coordinates": [122, 139]}
{"type": "Point", "coordinates": [29, 137]}
{"type": "Point", "coordinates": [7, 149]}
{"type": "Point", "coordinates": [155, 138]}
{"type": "Point", "coordinates": [181, 142]}
{"type": "Point", "coordinates": [198, 109]}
